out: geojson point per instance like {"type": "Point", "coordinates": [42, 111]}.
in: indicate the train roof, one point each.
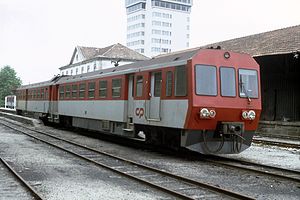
{"type": "Point", "coordinates": [171, 59]}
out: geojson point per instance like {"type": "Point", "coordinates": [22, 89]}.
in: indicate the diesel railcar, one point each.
{"type": "Point", "coordinates": [10, 102]}
{"type": "Point", "coordinates": [205, 100]}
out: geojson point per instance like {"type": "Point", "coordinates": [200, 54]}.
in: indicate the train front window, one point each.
{"type": "Point", "coordinates": [227, 76]}
{"type": "Point", "coordinates": [248, 84]}
{"type": "Point", "coordinates": [206, 80]}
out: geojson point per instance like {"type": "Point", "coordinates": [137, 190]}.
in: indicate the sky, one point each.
{"type": "Point", "coordinates": [39, 36]}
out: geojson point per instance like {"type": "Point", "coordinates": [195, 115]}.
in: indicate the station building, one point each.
{"type": "Point", "coordinates": [278, 54]}
{"type": "Point", "coordinates": [88, 59]}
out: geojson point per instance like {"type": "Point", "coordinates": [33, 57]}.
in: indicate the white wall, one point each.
{"type": "Point", "coordinates": [100, 64]}
{"type": "Point", "coordinates": [179, 29]}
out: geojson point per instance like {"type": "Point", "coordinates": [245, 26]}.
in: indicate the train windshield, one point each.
{"type": "Point", "coordinates": [228, 83]}
{"type": "Point", "coordinates": [206, 80]}
{"type": "Point", "coordinates": [248, 84]}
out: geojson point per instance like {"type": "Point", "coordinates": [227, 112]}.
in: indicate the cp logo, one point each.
{"type": "Point", "coordinates": [139, 112]}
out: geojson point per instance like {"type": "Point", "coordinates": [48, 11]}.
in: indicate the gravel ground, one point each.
{"type": "Point", "coordinates": [58, 175]}
{"type": "Point", "coordinates": [260, 187]}
{"type": "Point", "coordinates": [78, 180]}
{"type": "Point", "coordinates": [287, 158]}
{"type": "Point", "coordinates": [10, 187]}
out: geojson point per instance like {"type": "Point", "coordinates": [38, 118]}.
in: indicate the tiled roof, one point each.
{"type": "Point", "coordinates": [279, 41]}
{"type": "Point", "coordinates": [113, 51]}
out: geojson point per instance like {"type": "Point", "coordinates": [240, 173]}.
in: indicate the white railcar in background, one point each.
{"type": "Point", "coordinates": [10, 102]}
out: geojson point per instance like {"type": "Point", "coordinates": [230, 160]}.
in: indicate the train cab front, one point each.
{"type": "Point", "coordinates": [225, 104]}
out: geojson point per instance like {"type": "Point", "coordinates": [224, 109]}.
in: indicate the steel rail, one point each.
{"type": "Point", "coordinates": [212, 188]}
{"type": "Point", "coordinates": [235, 163]}
{"type": "Point", "coordinates": [22, 181]}
{"type": "Point", "coordinates": [277, 143]}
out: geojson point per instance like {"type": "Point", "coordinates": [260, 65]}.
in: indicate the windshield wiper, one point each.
{"type": "Point", "coordinates": [245, 91]}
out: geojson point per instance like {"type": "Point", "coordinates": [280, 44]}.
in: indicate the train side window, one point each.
{"type": "Point", "coordinates": [82, 90]}
{"type": "Point", "coordinates": [43, 93]}
{"type": "Point", "coordinates": [169, 81]}
{"type": "Point", "coordinates": [206, 80]}
{"type": "Point", "coordinates": [180, 81]}
{"type": "Point", "coordinates": [157, 84]}
{"type": "Point", "coordinates": [46, 93]}
{"type": "Point", "coordinates": [74, 91]}
{"type": "Point", "coordinates": [228, 85]}
{"type": "Point", "coordinates": [139, 86]}
{"type": "Point", "coordinates": [103, 89]}
{"type": "Point", "coordinates": [61, 92]}
{"type": "Point", "coordinates": [38, 94]}
{"type": "Point", "coordinates": [116, 87]}
{"type": "Point", "coordinates": [91, 87]}
{"type": "Point", "coordinates": [68, 91]}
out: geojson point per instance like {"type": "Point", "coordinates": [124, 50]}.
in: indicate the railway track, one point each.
{"type": "Point", "coordinates": [272, 171]}
{"type": "Point", "coordinates": [11, 187]}
{"type": "Point", "coordinates": [277, 143]}
{"type": "Point", "coordinates": [177, 186]}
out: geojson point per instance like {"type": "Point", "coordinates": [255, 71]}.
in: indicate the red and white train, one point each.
{"type": "Point", "coordinates": [205, 100]}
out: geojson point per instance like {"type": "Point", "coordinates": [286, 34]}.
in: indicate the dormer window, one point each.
{"type": "Point", "coordinates": [76, 57]}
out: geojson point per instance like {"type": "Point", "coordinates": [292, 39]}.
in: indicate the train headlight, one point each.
{"type": "Point", "coordinates": [251, 115]}
{"type": "Point", "coordinates": [212, 113]}
{"type": "Point", "coordinates": [204, 113]}
{"type": "Point", "coordinates": [245, 115]}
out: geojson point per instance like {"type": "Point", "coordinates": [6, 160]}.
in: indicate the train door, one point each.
{"type": "Point", "coordinates": [130, 97]}
{"type": "Point", "coordinates": [155, 93]}
{"type": "Point", "coordinates": [53, 104]}
{"type": "Point", "coordinates": [26, 99]}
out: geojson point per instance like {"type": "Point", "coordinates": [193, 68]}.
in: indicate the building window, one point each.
{"type": "Point", "coordinates": [139, 86]}
{"type": "Point", "coordinates": [95, 66]}
{"type": "Point", "coordinates": [82, 90]}
{"type": "Point", "coordinates": [71, 71]}
{"type": "Point", "coordinates": [103, 89]}
{"type": "Point", "coordinates": [76, 71]}
{"type": "Point", "coordinates": [62, 73]}
{"type": "Point", "coordinates": [82, 69]}
{"type": "Point", "coordinates": [88, 68]}
{"type": "Point", "coordinates": [116, 87]}
{"type": "Point", "coordinates": [91, 87]}
{"type": "Point", "coordinates": [67, 72]}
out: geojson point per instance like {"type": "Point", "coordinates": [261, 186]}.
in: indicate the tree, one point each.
{"type": "Point", "coordinates": [9, 82]}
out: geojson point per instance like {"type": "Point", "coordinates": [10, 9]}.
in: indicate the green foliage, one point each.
{"type": "Point", "coordinates": [9, 82]}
